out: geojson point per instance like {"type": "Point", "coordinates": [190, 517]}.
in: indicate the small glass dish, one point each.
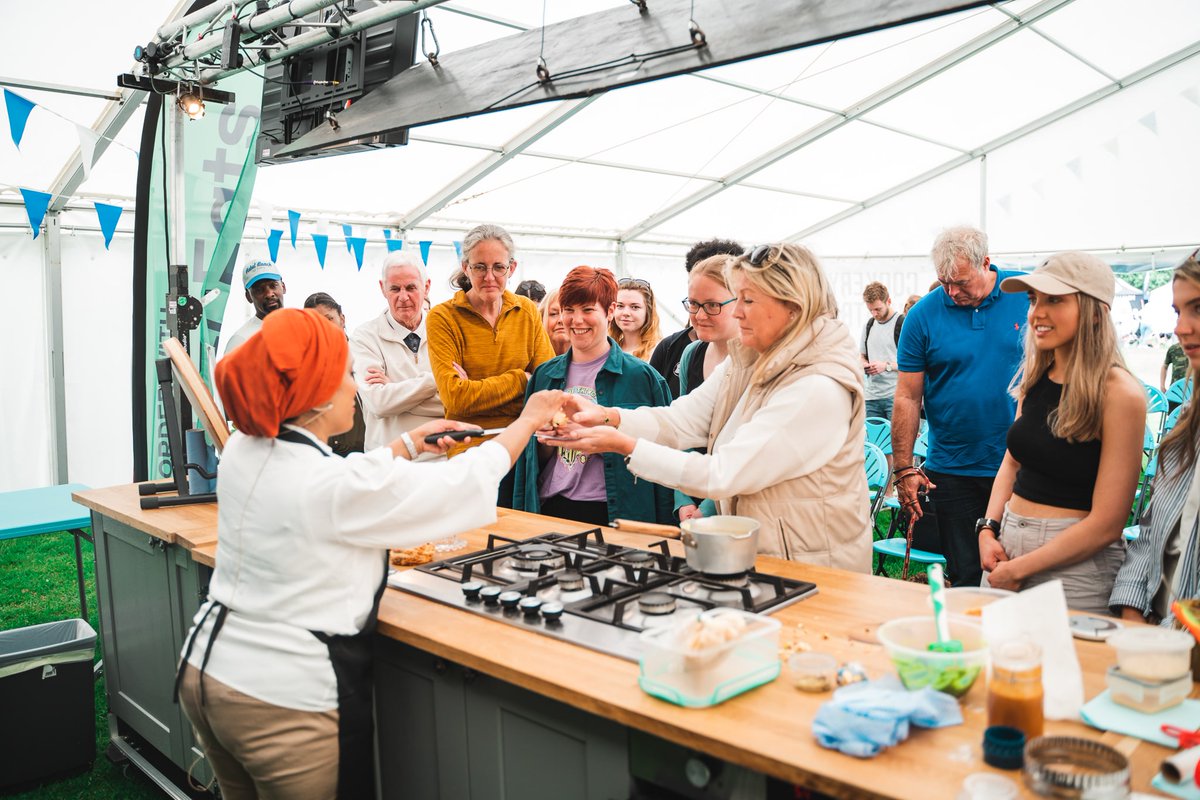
{"type": "Point", "coordinates": [813, 672]}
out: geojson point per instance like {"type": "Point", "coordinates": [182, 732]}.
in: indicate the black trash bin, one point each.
{"type": "Point", "coordinates": [47, 702]}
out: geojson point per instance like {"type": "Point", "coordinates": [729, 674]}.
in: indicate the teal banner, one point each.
{"type": "Point", "coordinates": [218, 178]}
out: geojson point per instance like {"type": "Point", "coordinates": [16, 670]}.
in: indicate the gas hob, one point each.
{"type": "Point", "coordinates": [581, 589]}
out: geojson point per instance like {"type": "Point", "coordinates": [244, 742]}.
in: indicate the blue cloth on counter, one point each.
{"type": "Point", "coordinates": [1187, 790]}
{"type": "Point", "coordinates": [1103, 713]}
{"type": "Point", "coordinates": [863, 718]}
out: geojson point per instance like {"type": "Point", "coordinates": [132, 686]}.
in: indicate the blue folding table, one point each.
{"type": "Point", "coordinates": [33, 511]}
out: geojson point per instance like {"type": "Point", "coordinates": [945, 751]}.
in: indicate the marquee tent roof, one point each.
{"type": "Point", "coordinates": [1056, 123]}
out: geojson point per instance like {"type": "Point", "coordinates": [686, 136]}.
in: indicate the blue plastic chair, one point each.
{"type": "Point", "coordinates": [878, 474]}
{"type": "Point", "coordinates": [1180, 391]}
{"type": "Point", "coordinates": [879, 433]}
{"type": "Point", "coordinates": [1171, 420]}
{"type": "Point", "coordinates": [892, 546]}
{"type": "Point", "coordinates": [1141, 497]}
{"type": "Point", "coordinates": [1156, 401]}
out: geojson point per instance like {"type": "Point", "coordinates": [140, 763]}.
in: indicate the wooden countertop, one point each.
{"type": "Point", "coordinates": [767, 729]}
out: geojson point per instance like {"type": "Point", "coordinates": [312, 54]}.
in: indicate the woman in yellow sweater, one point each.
{"type": "Point", "coordinates": [486, 341]}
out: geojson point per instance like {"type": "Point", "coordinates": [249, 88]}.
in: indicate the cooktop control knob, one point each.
{"type": "Point", "coordinates": [510, 599]}
{"type": "Point", "coordinates": [552, 612]}
{"type": "Point", "coordinates": [529, 607]}
{"type": "Point", "coordinates": [490, 594]}
{"type": "Point", "coordinates": [471, 589]}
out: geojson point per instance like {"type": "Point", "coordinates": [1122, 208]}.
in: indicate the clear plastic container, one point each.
{"type": "Point", "coordinates": [907, 641]}
{"type": "Point", "coordinates": [1153, 654]}
{"type": "Point", "coordinates": [1149, 697]}
{"type": "Point", "coordinates": [968, 601]}
{"type": "Point", "coordinates": [813, 672]}
{"type": "Point", "coordinates": [696, 677]}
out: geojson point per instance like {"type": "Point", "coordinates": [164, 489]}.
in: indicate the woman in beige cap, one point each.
{"type": "Point", "coordinates": [1063, 492]}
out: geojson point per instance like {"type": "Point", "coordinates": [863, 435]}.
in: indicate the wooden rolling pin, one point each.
{"type": "Point", "coordinates": [648, 528]}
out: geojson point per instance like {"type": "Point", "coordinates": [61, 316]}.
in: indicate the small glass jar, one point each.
{"type": "Point", "coordinates": [1015, 692]}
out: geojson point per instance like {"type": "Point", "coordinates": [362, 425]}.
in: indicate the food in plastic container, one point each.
{"type": "Point", "coordinates": [813, 672]}
{"type": "Point", "coordinates": [1153, 654]}
{"type": "Point", "coordinates": [968, 601]}
{"type": "Point", "coordinates": [907, 641]}
{"type": "Point", "coordinates": [1149, 697]}
{"type": "Point", "coordinates": [691, 669]}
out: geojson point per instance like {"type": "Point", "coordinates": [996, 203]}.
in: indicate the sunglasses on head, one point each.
{"type": "Point", "coordinates": [621, 284]}
{"type": "Point", "coordinates": [759, 254]}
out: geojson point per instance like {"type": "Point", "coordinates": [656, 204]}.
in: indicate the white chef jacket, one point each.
{"type": "Point", "coordinates": [248, 329]}
{"type": "Point", "coordinates": [411, 398]}
{"type": "Point", "coordinates": [301, 548]}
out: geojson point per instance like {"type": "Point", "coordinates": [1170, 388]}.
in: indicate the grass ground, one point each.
{"type": "Point", "coordinates": [38, 585]}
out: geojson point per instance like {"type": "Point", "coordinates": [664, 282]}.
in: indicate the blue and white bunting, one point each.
{"type": "Point", "coordinates": [18, 109]}
{"type": "Point", "coordinates": [108, 215]}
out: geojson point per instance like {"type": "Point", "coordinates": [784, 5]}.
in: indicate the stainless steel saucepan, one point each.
{"type": "Point", "coordinates": [720, 545]}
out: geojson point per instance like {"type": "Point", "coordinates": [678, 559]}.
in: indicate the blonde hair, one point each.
{"type": "Point", "coordinates": [713, 268]}
{"type": "Point", "coordinates": [1186, 429]}
{"type": "Point", "coordinates": [544, 307]}
{"type": "Point", "coordinates": [1094, 352]}
{"type": "Point", "coordinates": [650, 333]}
{"type": "Point", "coordinates": [791, 274]}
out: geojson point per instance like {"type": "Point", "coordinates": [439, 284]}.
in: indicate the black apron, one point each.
{"type": "Point", "coordinates": [350, 656]}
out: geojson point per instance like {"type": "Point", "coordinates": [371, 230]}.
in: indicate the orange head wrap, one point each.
{"type": "Point", "coordinates": [295, 363]}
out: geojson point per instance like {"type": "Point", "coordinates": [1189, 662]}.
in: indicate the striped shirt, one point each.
{"type": "Point", "coordinates": [1142, 573]}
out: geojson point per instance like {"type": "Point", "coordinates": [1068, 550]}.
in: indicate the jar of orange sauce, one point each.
{"type": "Point", "coordinates": [1015, 688]}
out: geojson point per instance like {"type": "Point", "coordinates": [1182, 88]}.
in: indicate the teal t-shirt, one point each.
{"type": "Point", "coordinates": [969, 356]}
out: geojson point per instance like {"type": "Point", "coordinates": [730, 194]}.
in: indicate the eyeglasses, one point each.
{"type": "Point", "coordinates": [621, 284]}
{"type": "Point", "coordinates": [712, 307]}
{"type": "Point", "coordinates": [759, 254]}
{"type": "Point", "coordinates": [499, 270]}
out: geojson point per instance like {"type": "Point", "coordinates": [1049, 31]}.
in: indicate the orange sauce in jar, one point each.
{"type": "Point", "coordinates": [1015, 690]}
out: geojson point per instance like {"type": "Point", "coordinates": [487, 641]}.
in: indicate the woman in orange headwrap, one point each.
{"type": "Point", "coordinates": [275, 675]}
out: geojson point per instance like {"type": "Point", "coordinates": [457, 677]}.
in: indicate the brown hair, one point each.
{"type": "Point", "coordinates": [1185, 431]}
{"type": "Point", "coordinates": [876, 291]}
{"type": "Point", "coordinates": [649, 332]}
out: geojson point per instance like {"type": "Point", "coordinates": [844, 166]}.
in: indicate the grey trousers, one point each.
{"type": "Point", "coordinates": [1087, 583]}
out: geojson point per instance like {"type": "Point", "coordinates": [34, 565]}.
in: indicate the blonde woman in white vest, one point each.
{"type": "Point", "coordinates": [782, 419]}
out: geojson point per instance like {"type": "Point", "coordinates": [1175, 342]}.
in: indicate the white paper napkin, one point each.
{"type": "Point", "coordinates": [1040, 615]}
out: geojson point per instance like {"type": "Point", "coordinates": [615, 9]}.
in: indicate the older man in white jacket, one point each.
{"type": "Point", "coordinates": [391, 356]}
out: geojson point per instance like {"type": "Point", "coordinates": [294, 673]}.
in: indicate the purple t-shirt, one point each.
{"type": "Point", "coordinates": [575, 475]}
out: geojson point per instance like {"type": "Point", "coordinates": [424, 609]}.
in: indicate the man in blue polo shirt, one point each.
{"type": "Point", "coordinates": [958, 352]}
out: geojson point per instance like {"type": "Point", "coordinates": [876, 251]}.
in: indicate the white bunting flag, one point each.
{"type": "Point", "coordinates": [87, 148]}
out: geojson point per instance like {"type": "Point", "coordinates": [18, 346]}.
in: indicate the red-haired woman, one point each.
{"type": "Point", "coordinates": [561, 481]}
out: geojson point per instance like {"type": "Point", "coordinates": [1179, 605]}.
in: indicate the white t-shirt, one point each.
{"type": "Point", "coordinates": [248, 329]}
{"type": "Point", "coordinates": [879, 344]}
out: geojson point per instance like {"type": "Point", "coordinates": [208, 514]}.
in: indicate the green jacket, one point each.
{"type": "Point", "coordinates": [622, 382]}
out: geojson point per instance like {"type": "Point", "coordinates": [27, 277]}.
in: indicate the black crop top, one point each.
{"type": "Point", "coordinates": [1053, 471]}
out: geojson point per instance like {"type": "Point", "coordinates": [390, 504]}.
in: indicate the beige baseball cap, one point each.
{"type": "Point", "coordinates": [1067, 273]}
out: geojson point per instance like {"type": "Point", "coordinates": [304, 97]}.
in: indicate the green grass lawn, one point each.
{"type": "Point", "coordinates": [38, 585]}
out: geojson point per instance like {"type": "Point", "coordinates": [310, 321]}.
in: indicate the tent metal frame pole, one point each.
{"type": "Point", "coordinates": [596, 162]}
{"type": "Point", "coordinates": [983, 193]}
{"type": "Point", "coordinates": [112, 119]}
{"type": "Point", "coordinates": [556, 116]}
{"type": "Point", "coordinates": [1146, 72]}
{"type": "Point", "coordinates": [59, 88]}
{"type": "Point", "coordinates": [283, 14]}
{"type": "Point", "coordinates": [318, 36]}
{"type": "Point", "coordinates": [851, 113]}
{"type": "Point", "coordinates": [53, 297]}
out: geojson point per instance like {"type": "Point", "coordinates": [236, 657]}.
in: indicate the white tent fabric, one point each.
{"type": "Point", "coordinates": [1073, 128]}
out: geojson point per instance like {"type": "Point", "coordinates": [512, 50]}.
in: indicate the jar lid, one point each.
{"type": "Point", "coordinates": [1072, 767]}
{"type": "Point", "coordinates": [986, 786]}
{"type": "Point", "coordinates": [1004, 747]}
{"type": "Point", "coordinates": [1151, 639]}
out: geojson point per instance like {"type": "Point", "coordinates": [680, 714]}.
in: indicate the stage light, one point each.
{"type": "Point", "coordinates": [191, 102]}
